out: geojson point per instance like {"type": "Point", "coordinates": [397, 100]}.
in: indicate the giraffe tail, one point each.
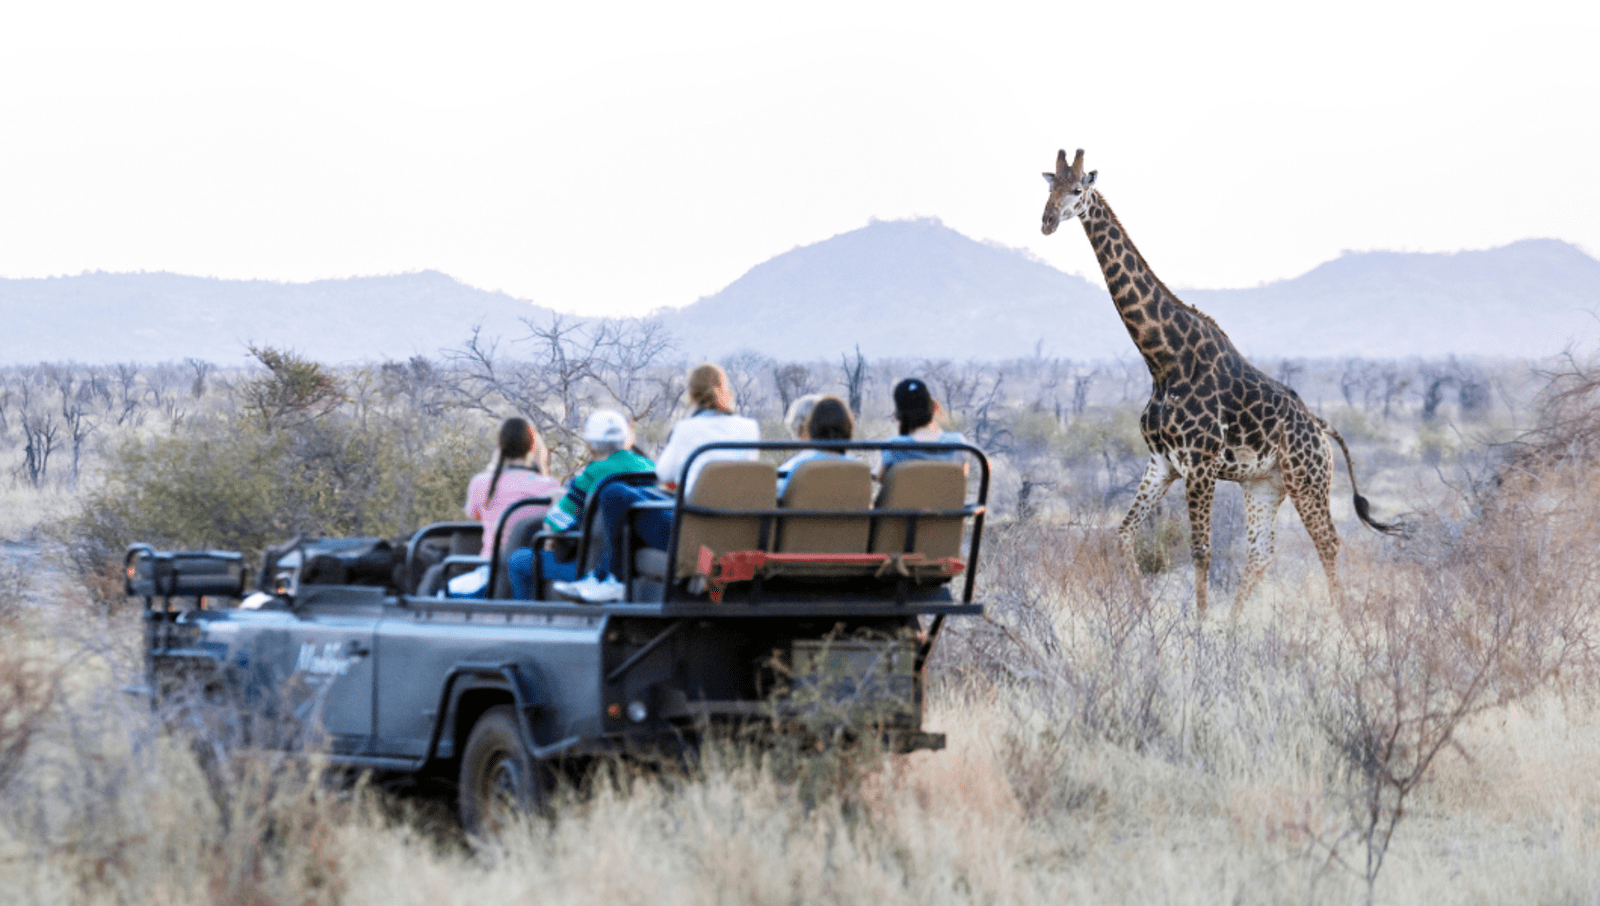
{"type": "Point", "coordinates": [1363, 509]}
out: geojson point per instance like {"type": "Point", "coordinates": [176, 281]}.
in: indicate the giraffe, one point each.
{"type": "Point", "coordinates": [1212, 416]}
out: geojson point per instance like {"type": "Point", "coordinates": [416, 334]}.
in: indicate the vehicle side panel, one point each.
{"type": "Point", "coordinates": [417, 649]}
{"type": "Point", "coordinates": [311, 668]}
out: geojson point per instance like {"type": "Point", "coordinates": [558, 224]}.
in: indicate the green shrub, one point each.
{"type": "Point", "coordinates": [241, 484]}
{"type": "Point", "coordinates": [1035, 431]}
{"type": "Point", "coordinates": [1162, 541]}
{"type": "Point", "coordinates": [1110, 435]}
{"type": "Point", "coordinates": [1436, 444]}
{"type": "Point", "coordinates": [1355, 426]}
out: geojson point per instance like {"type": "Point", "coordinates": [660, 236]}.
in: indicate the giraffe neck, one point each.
{"type": "Point", "coordinates": [1166, 331]}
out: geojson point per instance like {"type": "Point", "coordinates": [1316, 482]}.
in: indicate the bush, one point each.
{"type": "Point", "coordinates": [29, 688]}
{"type": "Point", "coordinates": [1355, 426]}
{"type": "Point", "coordinates": [15, 583]}
{"type": "Point", "coordinates": [1436, 444]}
{"type": "Point", "coordinates": [1034, 432]}
{"type": "Point", "coordinates": [1104, 435]}
{"type": "Point", "coordinates": [242, 483]}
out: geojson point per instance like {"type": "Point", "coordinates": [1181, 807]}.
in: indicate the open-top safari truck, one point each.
{"type": "Point", "coordinates": [761, 611]}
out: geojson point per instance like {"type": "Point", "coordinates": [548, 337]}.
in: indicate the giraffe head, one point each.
{"type": "Point", "coordinates": [1069, 191]}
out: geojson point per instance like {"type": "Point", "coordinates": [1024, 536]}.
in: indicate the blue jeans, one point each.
{"type": "Point", "coordinates": [520, 568]}
{"type": "Point", "coordinates": [653, 526]}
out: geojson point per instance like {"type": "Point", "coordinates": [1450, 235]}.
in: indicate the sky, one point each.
{"type": "Point", "coordinates": [613, 159]}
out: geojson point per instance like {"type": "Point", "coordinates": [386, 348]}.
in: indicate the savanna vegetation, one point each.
{"type": "Point", "coordinates": [1427, 738]}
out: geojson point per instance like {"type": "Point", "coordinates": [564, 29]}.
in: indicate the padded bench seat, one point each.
{"type": "Point", "coordinates": [834, 533]}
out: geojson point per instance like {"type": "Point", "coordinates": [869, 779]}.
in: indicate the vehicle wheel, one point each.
{"type": "Point", "coordinates": [499, 779]}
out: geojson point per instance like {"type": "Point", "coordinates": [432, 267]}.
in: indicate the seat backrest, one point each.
{"type": "Point", "coordinates": [432, 543]}
{"type": "Point", "coordinates": [727, 485]}
{"type": "Point", "coordinates": [827, 484]}
{"type": "Point", "coordinates": [438, 541]}
{"type": "Point", "coordinates": [466, 543]}
{"type": "Point", "coordinates": [427, 555]}
{"type": "Point", "coordinates": [923, 484]}
{"type": "Point", "coordinates": [520, 535]}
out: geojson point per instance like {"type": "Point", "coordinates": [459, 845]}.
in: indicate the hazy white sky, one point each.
{"type": "Point", "coordinates": [615, 158]}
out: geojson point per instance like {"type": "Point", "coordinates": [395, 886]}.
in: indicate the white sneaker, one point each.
{"type": "Point", "coordinates": [603, 591]}
{"type": "Point", "coordinates": [468, 584]}
{"type": "Point", "coordinates": [569, 588]}
{"type": "Point", "coordinates": [592, 590]}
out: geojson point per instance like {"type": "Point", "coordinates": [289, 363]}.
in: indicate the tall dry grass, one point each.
{"type": "Point", "coordinates": [1103, 749]}
{"type": "Point", "coordinates": [1428, 738]}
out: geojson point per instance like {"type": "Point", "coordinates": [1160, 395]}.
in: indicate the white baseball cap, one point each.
{"type": "Point", "coordinates": [607, 426]}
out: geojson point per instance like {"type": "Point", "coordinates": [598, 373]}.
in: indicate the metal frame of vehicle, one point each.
{"type": "Point", "coordinates": [395, 682]}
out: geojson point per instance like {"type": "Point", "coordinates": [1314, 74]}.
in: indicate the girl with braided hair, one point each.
{"type": "Point", "coordinates": [518, 469]}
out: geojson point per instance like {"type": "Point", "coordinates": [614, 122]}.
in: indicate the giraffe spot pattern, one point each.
{"type": "Point", "coordinates": [1212, 415]}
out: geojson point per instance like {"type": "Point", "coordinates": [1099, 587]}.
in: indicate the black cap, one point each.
{"type": "Point", "coordinates": [911, 395]}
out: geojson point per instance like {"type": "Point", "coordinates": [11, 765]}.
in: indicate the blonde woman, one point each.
{"type": "Point", "coordinates": [714, 419]}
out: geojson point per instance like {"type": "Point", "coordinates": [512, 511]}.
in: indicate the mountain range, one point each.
{"type": "Point", "coordinates": [901, 289]}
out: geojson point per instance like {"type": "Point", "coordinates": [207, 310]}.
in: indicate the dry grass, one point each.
{"type": "Point", "coordinates": [1197, 778]}
{"type": "Point", "coordinates": [1103, 748]}
{"type": "Point", "coordinates": [25, 510]}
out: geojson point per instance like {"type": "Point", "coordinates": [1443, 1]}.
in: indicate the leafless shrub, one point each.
{"type": "Point", "coordinates": [1080, 649]}
{"type": "Point", "coordinates": [1567, 429]}
{"type": "Point", "coordinates": [424, 386]}
{"type": "Point", "coordinates": [126, 407]}
{"type": "Point", "coordinates": [749, 372]}
{"type": "Point", "coordinates": [792, 381]}
{"type": "Point", "coordinates": [28, 693]}
{"type": "Point", "coordinates": [573, 366]}
{"type": "Point", "coordinates": [854, 375]}
{"type": "Point", "coordinates": [201, 370]}
{"type": "Point", "coordinates": [41, 432]}
{"type": "Point", "coordinates": [15, 582]}
{"type": "Point", "coordinates": [1489, 615]}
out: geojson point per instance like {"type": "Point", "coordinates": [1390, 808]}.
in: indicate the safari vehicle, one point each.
{"type": "Point", "coordinates": [762, 611]}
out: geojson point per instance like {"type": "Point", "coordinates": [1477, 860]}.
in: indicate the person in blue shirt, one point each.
{"type": "Point", "coordinates": [829, 420]}
{"type": "Point", "coordinates": [918, 415]}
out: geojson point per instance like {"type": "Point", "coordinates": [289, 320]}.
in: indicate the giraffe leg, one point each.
{"type": "Point", "coordinates": [1310, 496]}
{"type": "Point", "coordinates": [1262, 498]}
{"type": "Point", "coordinates": [1200, 487]}
{"type": "Point", "coordinates": [1158, 477]}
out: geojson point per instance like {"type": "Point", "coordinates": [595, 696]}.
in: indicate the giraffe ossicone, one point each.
{"type": "Point", "coordinates": [1212, 416]}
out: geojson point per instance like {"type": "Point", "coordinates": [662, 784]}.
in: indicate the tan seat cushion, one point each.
{"type": "Point", "coordinates": [827, 484]}
{"type": "Point", "coordinates": [729, 485]}
{"type": "Point", "coordinates": [921, 485]}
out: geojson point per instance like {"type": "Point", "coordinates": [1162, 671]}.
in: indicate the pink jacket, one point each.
{"type": "Point", "coordinates": [515, 484]}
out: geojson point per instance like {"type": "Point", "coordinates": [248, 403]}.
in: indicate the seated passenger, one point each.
{"type": "Point", "coordinates": [830, 420]}
{"type": "Point", "coordinates": [713, 420]}
{"type": "Point", "coordinates": [918, 415]}
{"type": "Point", "coordinates": [517, 470]}
{"type": "Point", "coordinates": [609, 439]}
{"type": "Point", "coordinates": [799, 413]}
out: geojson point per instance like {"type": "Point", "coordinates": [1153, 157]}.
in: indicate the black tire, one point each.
{"type": "Point", "coordinates": [499, 778]}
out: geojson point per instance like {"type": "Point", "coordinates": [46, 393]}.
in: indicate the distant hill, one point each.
{"type": "Point", "coordinates": [918, 289]}
{"type": "Point", "coordinates": [903, 289]}
{"type": "Point", "coordinates": [154, 317]}
{"type": "Point", "coordinates": [1527, 299]}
